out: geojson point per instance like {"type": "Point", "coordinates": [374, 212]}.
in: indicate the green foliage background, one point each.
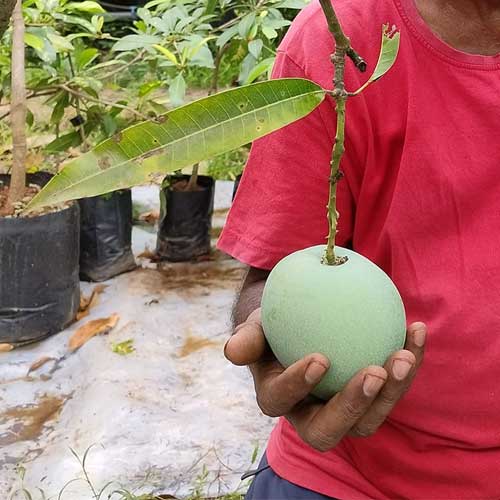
{"type": "Point", "coordinates": [90, 76]}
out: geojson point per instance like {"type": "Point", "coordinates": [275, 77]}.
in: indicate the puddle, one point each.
{"type": "Point", "coordinates": [194, 344]}
{"type": "Point", "coordinates": [27, 422]}
{"type": "Point", "coordinates": [186, 278]}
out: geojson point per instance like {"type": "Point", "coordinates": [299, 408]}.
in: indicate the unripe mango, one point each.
{"type": "Point", "coordinates": [352, 313]}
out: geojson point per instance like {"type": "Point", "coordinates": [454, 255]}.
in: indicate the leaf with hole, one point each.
{"type": "Point", "coordinates": [387, 57]}
{"type": "Point", "coordinates": [184, 136]}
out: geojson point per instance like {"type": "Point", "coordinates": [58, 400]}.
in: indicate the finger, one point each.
{"type": "Point", "coordinates": [247, 345]}
{"type": "Point", "coordinates": [401, 367]}
{"type": "Point", "coordinates": [279, 390]}
{"type": "Point", "coordinates": [323, 427]}
{"type": "Point", "coordinates": [415, 341]}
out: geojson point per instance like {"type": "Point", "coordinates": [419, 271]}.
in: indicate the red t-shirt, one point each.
{"type": "Point", "coordinates": [421, 198]}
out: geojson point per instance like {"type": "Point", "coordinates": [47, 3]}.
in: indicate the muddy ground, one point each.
{"type": "Point", "coordinates": [170, 417]}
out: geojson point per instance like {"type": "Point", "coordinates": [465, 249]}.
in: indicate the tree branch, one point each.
{"type": "Point", "coordinates": [343, 49]}
{"type": "Point", "coordinates": [18, 109]}
{"type": "Point", "coordinates": [339, 36]}
{"type": "Point", "coordinates": [103, 101]}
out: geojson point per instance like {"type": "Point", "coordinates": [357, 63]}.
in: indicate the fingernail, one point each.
{"type": "Point", "coordinates": [315, 372]}
{"type": "Point", "coordinates": [401, 368]}
{"type": "Point", "coordinates": [372, 385]}
{"type": "Point", "coordinates": [419, 338]}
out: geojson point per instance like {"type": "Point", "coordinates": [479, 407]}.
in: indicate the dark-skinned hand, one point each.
{"type": "Point", "coordinates": [358, 410]}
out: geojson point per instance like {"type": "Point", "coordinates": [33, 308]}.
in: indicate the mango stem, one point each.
{"type": "Point", "coordinates": [343, 49]}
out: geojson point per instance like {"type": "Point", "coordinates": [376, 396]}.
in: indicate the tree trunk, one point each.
{"type": "Point", "coordinates": [18, 109]}
{"type": "Point", "coordinates": [6, 8]}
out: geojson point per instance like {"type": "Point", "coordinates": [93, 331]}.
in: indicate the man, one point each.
{"type": "Point", "coordinates": [420, 198]}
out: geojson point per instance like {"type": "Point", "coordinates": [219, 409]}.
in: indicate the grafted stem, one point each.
{"type": "Point", "coordinates": [18, 110]}
{"type": "Point", "coordinates": [343, 49]}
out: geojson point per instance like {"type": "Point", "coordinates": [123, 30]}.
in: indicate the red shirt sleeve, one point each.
{"type": "Point", "coordinates": [281, 202]}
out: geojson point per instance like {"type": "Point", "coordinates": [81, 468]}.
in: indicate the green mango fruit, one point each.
{"type": "Point", "coordinates": [352, 313]}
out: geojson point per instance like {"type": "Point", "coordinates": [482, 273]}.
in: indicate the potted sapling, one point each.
{"type": "Point", "coordinates": [174, 39]}
{"type": "Point", "coordinates": [39, 285]}
{"type": "Point", "coordinates": [79, 67]}
{"type": "Point", "coordinates": [186, 208]}
{"type": "Point", "coordinates": [366, 321]}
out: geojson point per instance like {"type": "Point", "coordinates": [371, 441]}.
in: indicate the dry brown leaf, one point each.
{"type": "Point", "coordinates": [34, 159]}
{"type": "Point", "coordinates": [150, 217]}
{"type": "Point", "coordinates": [87, 303]}
{"type": "Point", "coordinates": [91, 329]}
{"type": "Point", "coordinates": [39, 363]}
{"type": "Point", "coordinates": [6, 347]}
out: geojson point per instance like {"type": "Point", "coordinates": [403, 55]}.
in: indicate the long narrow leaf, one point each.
{"type": "Point", "coordinates": [183, 137]}
{"type": "Point", "coordinates": [387, 57]}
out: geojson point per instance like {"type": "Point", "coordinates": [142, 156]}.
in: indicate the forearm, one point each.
{"type": "Point", "coordinates": [250, 295]}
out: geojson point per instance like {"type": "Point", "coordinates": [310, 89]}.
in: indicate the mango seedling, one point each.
{"type": "Point", "coordinates": [323, 299]}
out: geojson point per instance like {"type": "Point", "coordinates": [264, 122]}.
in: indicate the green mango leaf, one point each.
{"type": "Point", "coordinates": [293, 4]}
{"type": "Point", "coordinates": [58, 110]}
{"type": "Point", "coordinates": [133, 42]}
{"type": "Point", "coordinates": [255, 47]}
{"type": "Point", "coordinates": [60, 43]}
{"type": "Point", "coordinates": [246, 25]}
{"type": "Point", "coordinates": [148, 87]}
{"type": "Point", "coordinates": [109, 125]}
{"type": "Point", "coordinates": [210, 6]}
{"type": "Point", "coordinates": [184, 136]}
{"type": "Point", "coordinates": [33, 41]}
{"type": "Point", "coordinates": [64, 142]}
{"type": "Point", "coordinates": [227, 35]}
{"type": "Point", "coordinates": [86, 6]}
{"type": "Point", "coordinates": [246, 67]}
{"type": "Point", "coordinates": [198, 50]}
{"type": "Point", "coordinates": [264, 66]}
{"type": "Point", "coordinates": [78, 21]}
{"type": "Point", "coordinates": [177, 90]}
{"type": "Point", "coordinates": [85, 57]}
{"type": "Point", "coordinates": [387, 58]}
{"type": "Point", "coordinates": [106, 64]}
{"type": "Point", "coordinates": [269, 32]}
{"type": "Point", "coordinates": [30, 118]}
{"type": "Point", "coordinates": [169, 55]}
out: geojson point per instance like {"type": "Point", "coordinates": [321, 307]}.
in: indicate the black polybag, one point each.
{"type": "Point", "coordinates": [236, 185]}
{"type": "Point", "coordinates": [106, 236]}
{"type": "Point", "coordinates": [39, 284]}
{"type": "Point", "coordinates": [185, 221]}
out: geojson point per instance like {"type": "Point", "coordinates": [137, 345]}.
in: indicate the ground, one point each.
{"type": "Point", "coordinates": [172, 417]}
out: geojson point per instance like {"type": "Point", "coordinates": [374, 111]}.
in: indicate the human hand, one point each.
{"type": "Point", "coordinates": [358, 410]}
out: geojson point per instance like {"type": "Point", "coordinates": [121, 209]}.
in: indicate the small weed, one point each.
{"type": "Point", "coordinates": [114, 491]}
{"type": "Point", "coordinates": [123, 348]}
